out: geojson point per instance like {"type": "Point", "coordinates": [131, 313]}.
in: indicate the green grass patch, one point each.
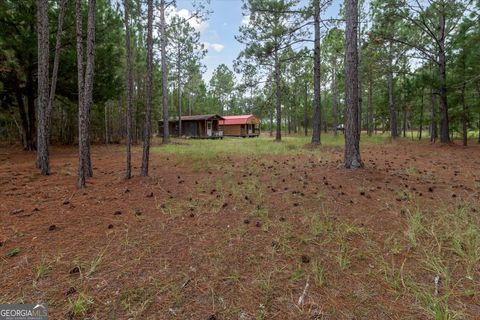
{"type": "Point", "coordinates": [204, 152]}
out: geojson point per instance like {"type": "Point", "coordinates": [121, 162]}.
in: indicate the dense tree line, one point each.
{"type": "Point", "coordinates": [103, 71]}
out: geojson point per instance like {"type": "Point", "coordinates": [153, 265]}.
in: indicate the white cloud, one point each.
{"type": "Point", "coordinates": [218, 47]}
{"type": "Point", "coordinates": [197, 24]}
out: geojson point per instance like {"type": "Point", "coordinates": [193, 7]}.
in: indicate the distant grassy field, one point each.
{"type": "Point", "coordinates": [261, 145]}
{"type": "Point", "coordinates": [203, 153]}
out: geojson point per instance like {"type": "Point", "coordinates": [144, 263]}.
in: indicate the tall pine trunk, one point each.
{"type": "Point", "coordinates": [48, 92]}
{"type": "Point", "coordinates": [278, 100]}
{"type": "Point", "coordinates": [421, 117]}
{"type": "Point", "coordinates": [370, 123]}
{"type": "Point", "coordinates": [179, 88]}
{"type": "Point", "coordinates": [163, 44]}
{"type": "Point", "coordinates": [149, 93]}
{"type": "Point", "coordinates": [56, 63]}
{"type": "Point", "coordinates": [317, 114]}
{"type": "Point", "coordinates": [352, 134]}
{"type": "Point", "coordinates": [81, 93]}
{"type": "Point", "coordinates": [85, 88]}
{"type": "Point", "coordinates": [433, 120]}
{"type": "Point", "coordinates": [391, 96]}
{"type": "Point", "coordinates": [305, 110]}
{"type": "Point", "coordinates": [129, 85]}
{"type": "Point", "coordinates": [442, 65]}
{"type": "Point", "coordinates": [334, 97]}
{"type": "Point", "coordinates": [464, 116]}
{"type": "Point", "coordinates": [89, 76]}
{"type": "Point", "coordinates": [43, 59]}
{"type": "Point", "coordinates": [360, 89]}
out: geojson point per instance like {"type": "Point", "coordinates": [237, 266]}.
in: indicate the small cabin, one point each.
{"type": "Point", "coordinates": [204, 126]}
{"type": "Point", "coordinates": [240, 126]}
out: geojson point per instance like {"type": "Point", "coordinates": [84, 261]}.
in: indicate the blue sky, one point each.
{"type": "Point", "coordinates": [218, 32]}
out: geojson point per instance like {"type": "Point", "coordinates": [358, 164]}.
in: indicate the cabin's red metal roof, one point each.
{"type": "Point", "coordinates": [229, 120]}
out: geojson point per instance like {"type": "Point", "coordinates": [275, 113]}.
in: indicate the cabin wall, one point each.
{"type": "Point", "coordinates": [231, 130]}
{"type": "Point", "coordinates": [190, 128]}
{"type": "Point", "coordinates": [240, 130]}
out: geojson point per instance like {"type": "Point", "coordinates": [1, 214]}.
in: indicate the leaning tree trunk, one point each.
{"type": "Point", "coordinates": [43, 53]}
{"type": "Point", "coordinates": [278, 101]}
{"type": "Point", "coordinates": [129, 85]}
{"type": "Point", "coordinates": [352, 134]}
{"type": "Point", "coordinates": [21, 110]}
{"type": "Point", "coordinates": [317, 114]}
{"type": "Point", "coordinates": [149, 93]}
{"type": "Point", "coordinates": [45, 107]}
{"type": "Point", "coordinates": [56, 63]}
{"type": "Point", "coordinates": [163, 44]}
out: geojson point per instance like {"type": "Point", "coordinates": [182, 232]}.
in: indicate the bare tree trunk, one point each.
{"type": "Point", "coordinates": [81, 92]}
{"type": "Point", "coordinates": [163, 44]}
{"type": "Point", "coordinates": [43, 59]}
{"type": "Point", "coordinates": [56, 62]}
{"type": "Point", "coordinates": [317, 121]}
{"type": "Point", "coordinates": [352, 134]}
{"type": "Point", "coordinates": [21, 110]}
{"type": "Point", "coordinates": [305, 109]}
{"type": "Point", "coordinates": [46, 98]}
{"type": "Point", "coordinates": [278, 102]}
{"type": "Point", "coordinates": [89, 73]}
{"type": "Point", "coordinates": [391, 96]}
{"type": "Point", "coordinates": [129, 85]}
{"type": "Point", "coordinates": [179, 88]}
{"type": "Point", "coordinates": [433, 121]}
{"type": "Point", "coordinates": [421, 117]}
{"type": "Point", "coordinates": [85, 88]}
{"type": "Point", "coordinates": [334, 97]}
{"type": "Point", "coordinates": [149, 93]}
{"type": "Point", "coordinates": [360, 89]}
{"type": "Point", "coordinates": [464, 116]}
{"type": "Point", "coordinates": [270, 127]}
{"type": "Point", "coordinates": [370, 105]}
{"type": "Point", "coordinates": [444, 126]}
